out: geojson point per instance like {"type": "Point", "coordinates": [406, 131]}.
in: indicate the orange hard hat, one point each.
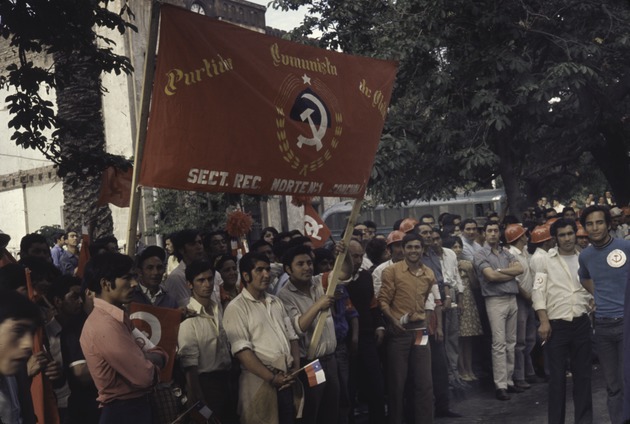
{"type": "Point", "coordinates": [407, 225]}
{"type": "Point", "coordinates": [394, 237]}
{"type": "Point", "coordinates": [540, 234]}
{"type": "Point", "coordinates": [550, 221]}
{"type": "Point", "coordinates": [513, 232]}
{"type": "Point", "coordinates": [581, 232]}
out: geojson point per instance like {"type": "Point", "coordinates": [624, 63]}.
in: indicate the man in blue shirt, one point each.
{"type": "Point", "coordinates": [603, 272]}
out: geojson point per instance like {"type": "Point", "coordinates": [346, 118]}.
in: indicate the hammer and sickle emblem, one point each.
{"type": "Point", "coordinates": [311, 227]}
{"type": "Point", "coordinates": [318, 133]}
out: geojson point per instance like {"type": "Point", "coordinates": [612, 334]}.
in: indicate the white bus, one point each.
{"type": "Point", "coordinates": [473, 205]}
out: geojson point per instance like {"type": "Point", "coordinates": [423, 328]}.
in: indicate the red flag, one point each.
{"type": "Point", "coordinates": [161, 326]}
{"type": "Point", "coordinates": [314, 227]}
{"type": "Point", "coordinates": [237, 111]}
{"type": "Point", "coordinates": [84, 254]}
{"type": "Point", "coordinates": [115, 187]}
{"type": "Point", "coordinates": [44, 400]}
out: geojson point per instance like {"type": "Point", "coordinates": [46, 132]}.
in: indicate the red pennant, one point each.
{"type": "Point", "coordinates": [115, 187]}
{"type": "Point", "coordinates": [314, 227]}
{"type": "Point", "coordinates": [161, 326]}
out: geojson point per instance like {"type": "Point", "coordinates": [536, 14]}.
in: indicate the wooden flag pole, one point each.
{"type": "Point", "coordinates": [334, 278]}
{"type": "Point", "coordinates": [141, 129]}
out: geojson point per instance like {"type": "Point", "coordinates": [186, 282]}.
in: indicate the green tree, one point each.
{"type": "Point", "coordinates": [523, 90]}
{"type": "Point", "coordinates": [72, 136]}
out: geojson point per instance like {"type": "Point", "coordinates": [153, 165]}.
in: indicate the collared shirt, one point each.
{"type": "Point", "coordinates": [377, 276]}
{"type": "Point", "coordinates": [116, 362]}
{"type": "Point", "coordinates": [202, 340]}
{"type": "Point", "coordinates": [469, 249]}
{"type": "Point", "coordinates": [262, 326]}
{"type": "Point", "coordinates": [557, 289]}
{"type": "Point", "coordinates": [450, 270]}
{"type": "Point", "coordinates": [404, 292]}
{"type": "Point", "coordinates": [537, 260]}
{"type": "Point", "coordinates": [162, 299]}
{"type": "Point", "coordinates": [486, 258]}
{"type": "Point", "coordinates": [56, 253]}
{"type": "Point", "coordinates": [526, 279]}
{"type": "Point", "coordinates": [68, 262]}
{"type": "Point", "coordinates": [53, 332]}
{"type": "Point", "coordinates": [297, 303]}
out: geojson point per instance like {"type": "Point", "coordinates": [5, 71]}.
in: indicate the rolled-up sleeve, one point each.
{"type": "Point", "coordinates": [188, 352]}
{"type": "Point", "coordinates": [539, 292]}
{"type": "Point", "coordinates": [236, 328]}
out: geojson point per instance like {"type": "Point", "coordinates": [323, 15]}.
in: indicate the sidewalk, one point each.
{"type": "Point", "coordinates": [530, 407]}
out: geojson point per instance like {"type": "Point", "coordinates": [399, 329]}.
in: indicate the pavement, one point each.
{"type": "Point", "coordinates": [478, 404]}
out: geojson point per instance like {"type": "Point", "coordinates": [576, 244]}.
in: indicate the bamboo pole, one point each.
{"type": "Point", "coordinates": [141, 130]}
{"type": "Point", "coordinates": [334, 277]}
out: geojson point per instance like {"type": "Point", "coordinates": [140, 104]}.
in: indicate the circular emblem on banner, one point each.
{"type": "Point", "coordinates": [317, 123]}
{"type": "Point", "coordinates": [148, 324]}
{"type": "Point", "coordinates": [617, 258]}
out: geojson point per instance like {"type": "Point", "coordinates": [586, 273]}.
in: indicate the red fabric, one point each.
{"type": "Point", "coordinates": [44, 400]}
{"type": "Point", "coordinates": [84, 255]}
{"type": "Point", "coordinates": [314, 227]}
{"type": "Point", "coordinates": [237, 111]}
{"type": "Point", "coordinates": [115, 187]}
{"type": "Point", "coordinates": [168, 321]}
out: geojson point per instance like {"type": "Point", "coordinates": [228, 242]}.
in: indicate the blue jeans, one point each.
{"type": "Point", "coordinates": [609, 340]}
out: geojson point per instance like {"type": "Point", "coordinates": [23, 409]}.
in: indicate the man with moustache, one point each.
{"type": "Point", "coordinates": [151, 269]}
{"type": "Point", "coordinates": [604, 269]}
{"type": "Point", "coordinates": [562, 306]}
{"type": "Point", "coordinates": [265, 343]}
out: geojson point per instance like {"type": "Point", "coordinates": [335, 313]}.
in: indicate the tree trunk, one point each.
{"type": "Point", "coordinates": [79, 106]}
{"type": "Point", "coordinates": [612, 158]}
{"type": "Point", "coordinates": [516, 202]}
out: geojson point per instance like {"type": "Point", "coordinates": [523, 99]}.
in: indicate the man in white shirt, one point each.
{"type": "Point", "coordinates": [394, 244]}
{"type": "Point", "coordinates": [562, 305]}
{"type": "Point", "coordinates": [204, 350]}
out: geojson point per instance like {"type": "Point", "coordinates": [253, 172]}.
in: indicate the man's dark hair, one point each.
{"type": "Point", "coordinates": [427, 215]}
{"type": "Point", "coordinates": [413, 236]}
{"type": "Point", "coordinates": [179, 240]}
{"type": "Point", "coordinates": [61, 286]}
{"type": "Point", "coordinates": [207, 238]}
{"type": "Point", "coordinates": [375, 249]}
{"type": "Point", "coordinates": [290, 254]}
{"type": "Point", "coordinates": [295, 233]}
{"type": "Point", "coordinates": [278, 237]}
{"type": "Point", "coordinates": [550, 211]}
{"type": "Point", "coordinates": [28, 240]}
{"type": "Point", "coordinates": [197, 267]}
{"type": "Point", "coordinates": [16, 306]}
{"type": "Point", "coordinates": [396, 225]}
{"type": "Point", "coordinates": [279, 247]}
{"type": "Point", "coordinates": [150, 252]}
{"type": "Point", "coordinates": [595, 208]}
{"type": "Point", "coordinates": [12, 277]}
{"type": "Point", "coordinates": [321, 254]}
{"type": "Point", "coordinates": [260, 243]}
{"type": "Point", "coordinates": [450, 241]}
{"type": "Point", "coordinates": [298, 241]}
{"type": "Point", "coordinates": [99, 245]}
{"type": "Point", "coordinates": [561, 223]}
{"type": "Point", "coordinates": [57, 235]}
{"type": "Point", "coordinates": [248, 263]}
{"type": "Point", "coordinates": [106, 266]}
{"type": "Point", "coordinates": [567, 209]}
{"type": "Point", "coordinates": [467, 221]}
{"type": "Point", "coordinates": [41, 270]}
{"type": "Point", "coordinates": [370, 224]}
{"type": "Point", "coordinates": [73, 230]}
{"type": "Point", "coordinates": [271, 230]}
{"type": "Point", "coordinates": [488, 223]}
{"type": "Point", "coordinates": [222, 259]}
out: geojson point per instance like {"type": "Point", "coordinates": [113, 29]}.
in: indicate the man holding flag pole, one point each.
{"type": "Point", "coordinates": [304, 300]}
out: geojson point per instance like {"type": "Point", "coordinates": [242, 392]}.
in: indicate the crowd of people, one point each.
{"type": "Point", "coordinates": [420, 312]}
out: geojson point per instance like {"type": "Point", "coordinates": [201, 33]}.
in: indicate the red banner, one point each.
{"type": "Point", "coordinates": [161, 326]}
{"type": "Point", "coordinates": [234, 110]}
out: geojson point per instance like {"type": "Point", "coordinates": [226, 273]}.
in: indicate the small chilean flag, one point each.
{"type": "Point", "coordinates": [315, 373]}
